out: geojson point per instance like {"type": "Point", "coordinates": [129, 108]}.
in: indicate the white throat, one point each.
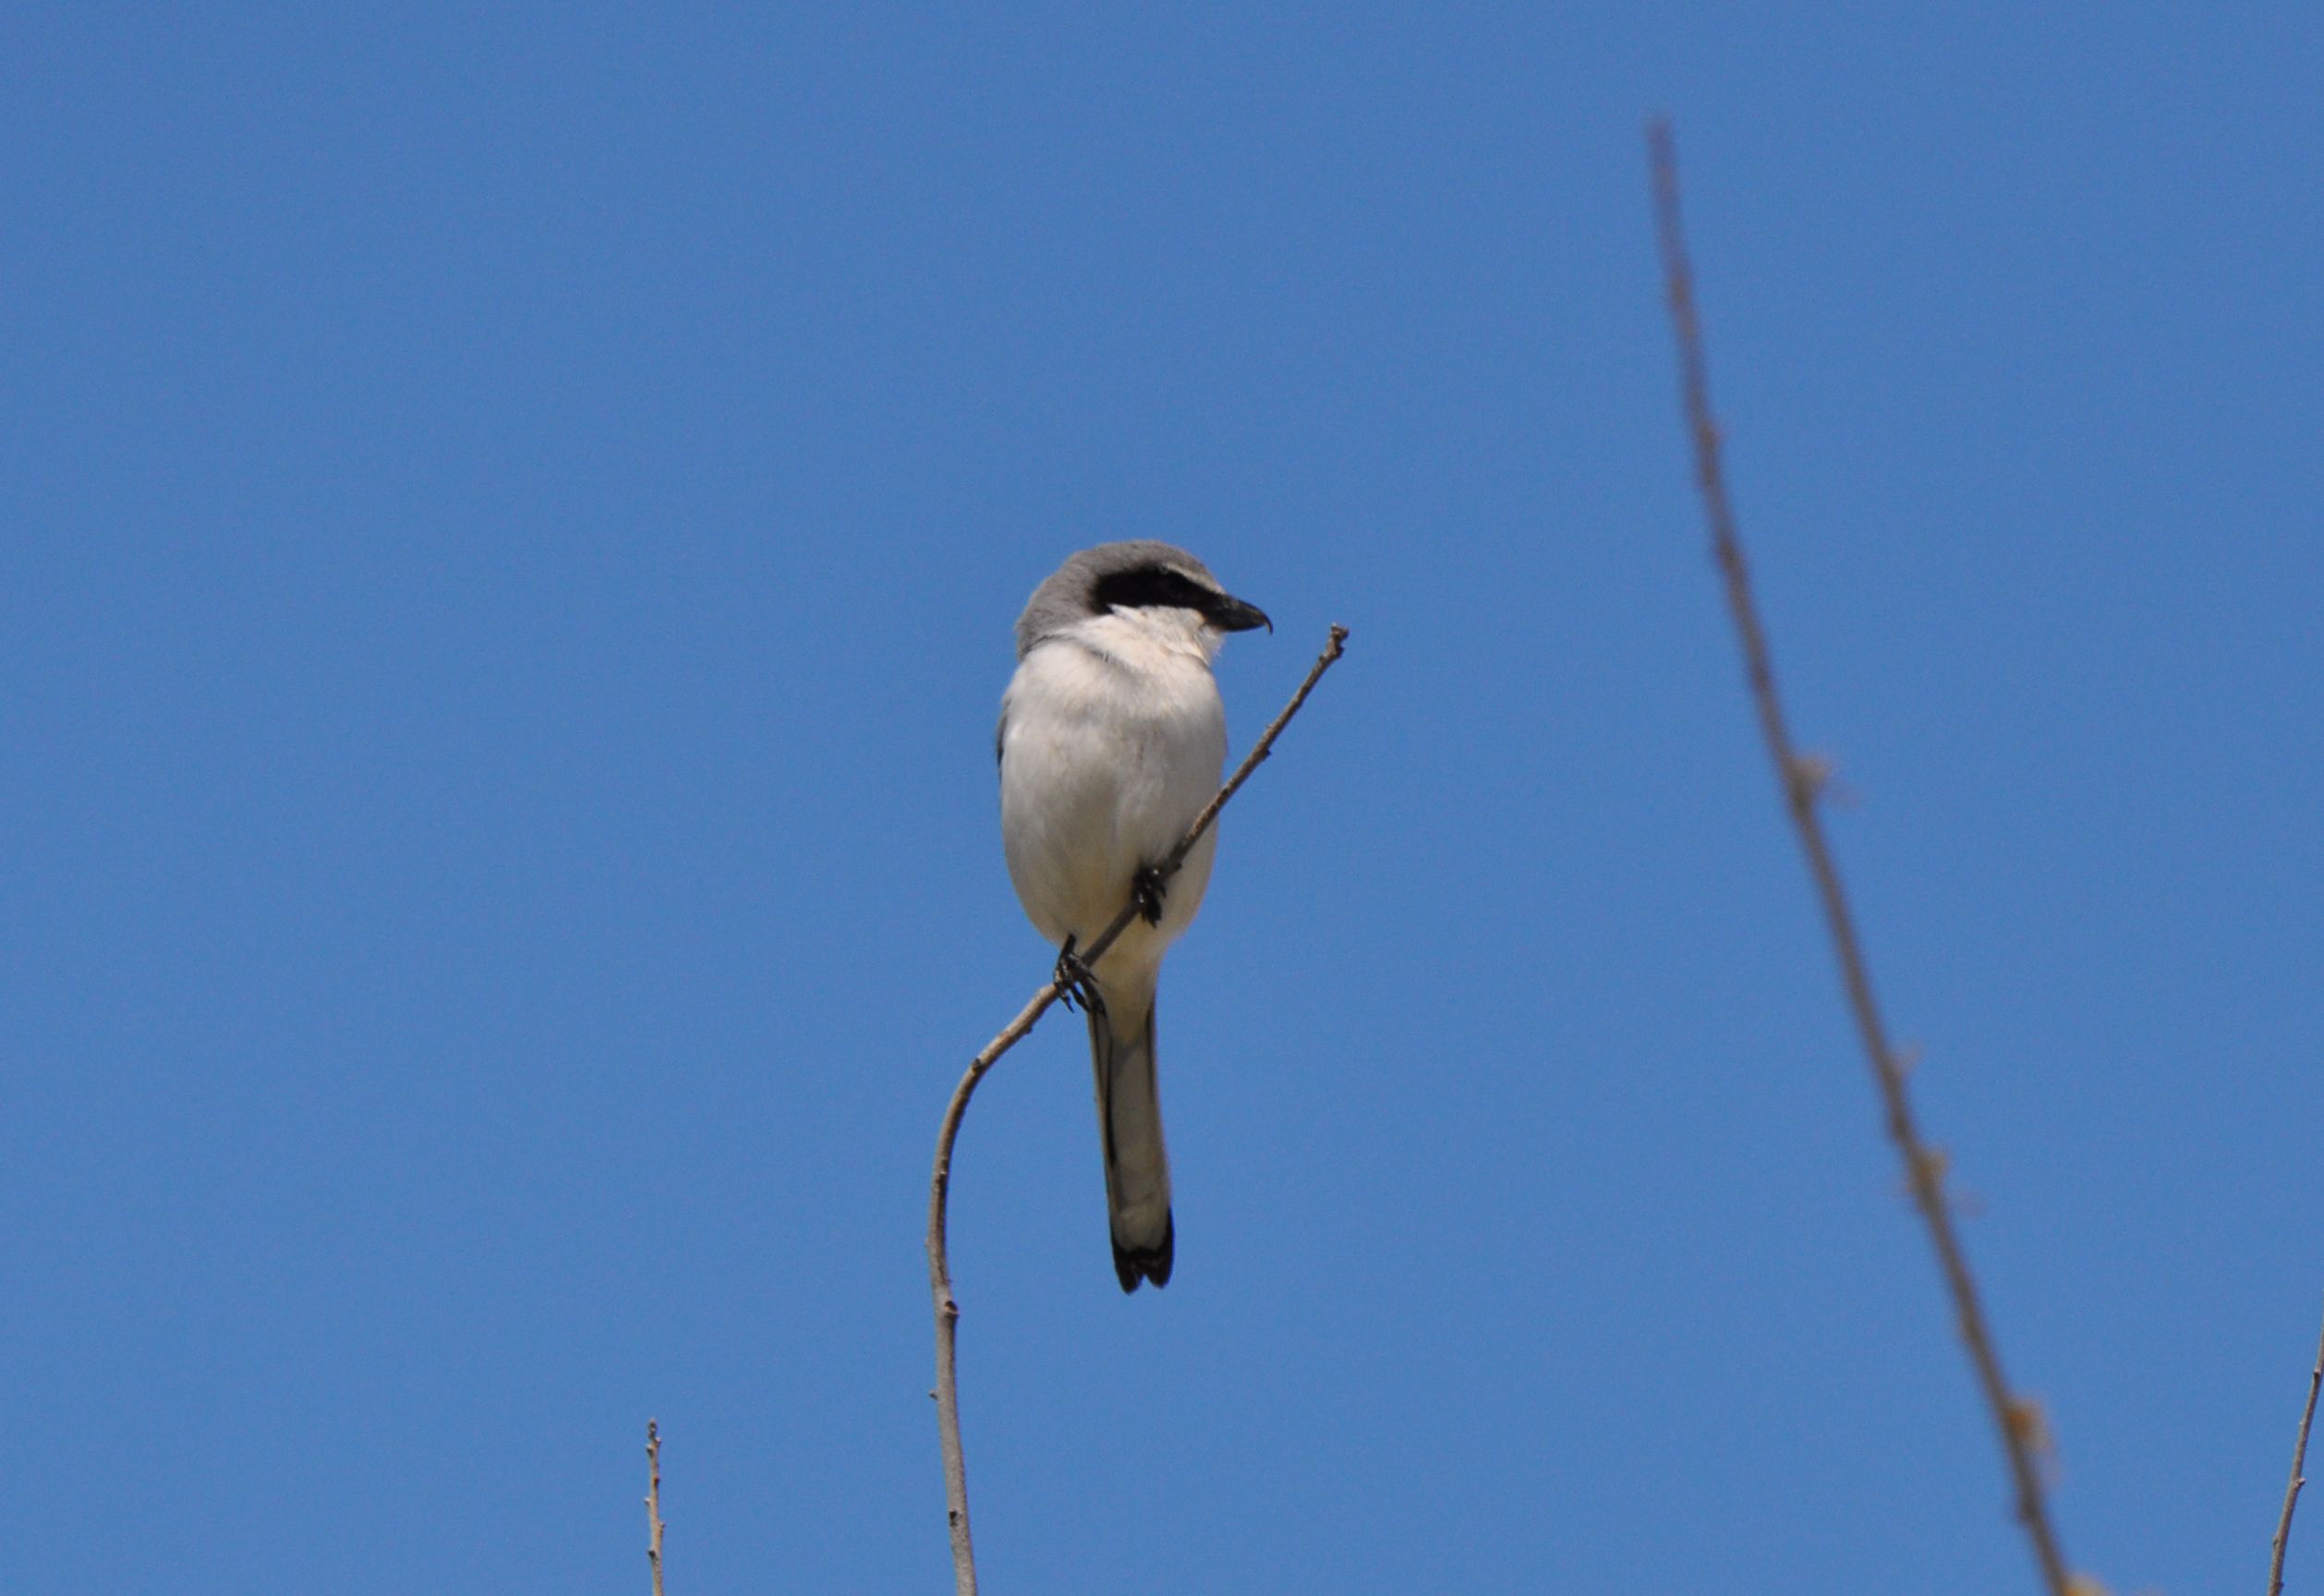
{"type": "Point", "coordinates": [1141, 632]}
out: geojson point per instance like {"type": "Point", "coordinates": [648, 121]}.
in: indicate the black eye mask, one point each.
{"type": "Point", "coordinates": [1151, 586]}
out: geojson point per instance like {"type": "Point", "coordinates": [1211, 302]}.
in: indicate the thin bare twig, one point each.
{"type": "Point", "coordinates": [653, 1501]}
{"type": "Point", "coordinates": [948, 1311]}
{"type": "Point", "coordinates": [2018, 1420]}
{"type": "Point", "coordinates": [2291, 1491]}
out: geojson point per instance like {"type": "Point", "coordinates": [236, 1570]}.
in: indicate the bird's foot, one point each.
{"type": "Point", "coordinates": [1145, 892]}
{"type": "Point", "coordinates": [1076, 981]}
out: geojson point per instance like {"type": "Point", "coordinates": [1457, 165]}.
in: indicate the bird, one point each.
{"type": "Point", "coordinates": [1112, 738]}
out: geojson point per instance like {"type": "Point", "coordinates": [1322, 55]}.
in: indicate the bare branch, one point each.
{"type": "Point", "coordinates": [2017, 1420]}
{"type": "Point", "coordinates": [653, 1501]}
{"type": "Point", "coordinates": [2291, 1491]}
{"type": "Point", "coordinates": [948, 1311]}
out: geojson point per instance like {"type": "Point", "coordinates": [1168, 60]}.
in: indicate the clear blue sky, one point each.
{"type": "Point", "coordinates": [510, 521]}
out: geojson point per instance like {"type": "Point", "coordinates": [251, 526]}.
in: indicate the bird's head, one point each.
{"type": "Point", "coordinates": [1126, 578]}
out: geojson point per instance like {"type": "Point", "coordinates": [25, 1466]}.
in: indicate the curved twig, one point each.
{"type": "Point", "coordinates": [1802, 780]}
{"type": "Point", "coordinates": [948, 1311]}
{"type": "Point", "coordinates": [2292, 1490]}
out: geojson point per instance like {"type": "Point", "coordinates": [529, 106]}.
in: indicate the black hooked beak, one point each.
{"type": "Point", "coordinates": [1229, 614]}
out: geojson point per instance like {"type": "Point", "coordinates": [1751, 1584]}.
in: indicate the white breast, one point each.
{"type": "Point", "coordinates": [1112, 740]}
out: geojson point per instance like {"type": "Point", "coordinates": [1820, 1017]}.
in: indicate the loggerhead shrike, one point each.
{"type": "Point", "coordinates": [1112, 739]}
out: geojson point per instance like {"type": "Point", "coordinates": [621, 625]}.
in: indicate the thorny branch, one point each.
{"type": "Point", "coordinates": [2291, 1491]}
{"type": "Point", "coordinates": [948, 1313]}
{"type": "Point", "coordinates": [653, 1500]}
{"type": "Point", "coordinates": [2018, 1419]}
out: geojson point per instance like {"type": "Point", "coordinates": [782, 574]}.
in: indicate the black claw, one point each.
{"type": "Point", "coordinates": [1145, 892]}
{"type": "Point", "coordinates": [1076, 983]}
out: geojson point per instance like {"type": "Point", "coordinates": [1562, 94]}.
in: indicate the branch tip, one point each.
{"type": "Point", "coordinates": [2299, 1478]}
{"type": "Point", "coordinates": [653, 1501]}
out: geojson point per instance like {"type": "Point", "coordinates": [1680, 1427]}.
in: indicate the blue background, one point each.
{"type": "Point", "coordinates": [510, 521]}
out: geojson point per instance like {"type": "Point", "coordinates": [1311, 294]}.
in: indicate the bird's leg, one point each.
{"type": "Point", "coordinates": [1076, 980]}
{"type": "Point", "coordinates": [1145, 892]}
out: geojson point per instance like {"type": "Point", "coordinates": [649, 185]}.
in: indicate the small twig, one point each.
{"type": "Point", "coordinates": [2017, 1420]}
{"type": "Point", "coordinates": [653, 1501]}
{"type": "Point", "coordinates": [948, 1311]}
{"type": "Point", "coordinates": [2291, 1491]}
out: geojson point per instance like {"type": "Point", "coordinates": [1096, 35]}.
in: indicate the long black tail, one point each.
{"type": "Point", "coordinates": [1130, 1124]}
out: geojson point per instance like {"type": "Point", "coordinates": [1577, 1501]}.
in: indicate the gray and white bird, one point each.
{"type": "Point", "coordinates": [1112, 738]}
